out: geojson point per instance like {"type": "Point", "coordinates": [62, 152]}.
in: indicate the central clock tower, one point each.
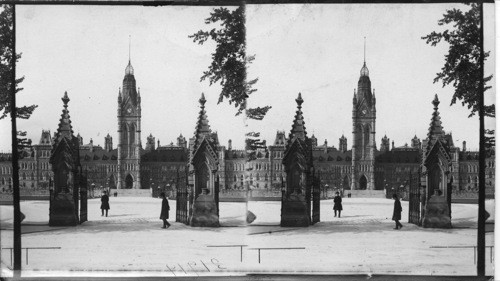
{"type": "Point", "coordinates": [129, 132]}
{"type": "Point", "coordinates": [363, 129]}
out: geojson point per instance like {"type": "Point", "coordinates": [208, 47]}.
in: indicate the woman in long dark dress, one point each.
{"type": "Point", "coordinates": [104, 203]}
{"type": "Point", "coordinates": [396, 214]}
{"type": "Point", "coordinates": [337, 203]}
{"type": "Point", "coordinates": [164, 211]}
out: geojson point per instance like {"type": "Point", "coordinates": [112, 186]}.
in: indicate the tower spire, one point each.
{"type": "Point", "coordinates": [298, 128]}
{"type": "Point", "coordinates": [202, 127]}
{"type": "Point", "coordinates": [364, 52]}
{"type": "Point", "coordinates": [435, 127]}
{"type": "Point", "coordinates": [129, 70]}
{"type": "Point", "coordinates": [65, 129]}
{"type": "Point", "coordinates": [364, 70]}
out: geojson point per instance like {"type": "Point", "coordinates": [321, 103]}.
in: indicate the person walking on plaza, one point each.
{"type": "Point", "coordinates": [396, 215]}
{"type": "Point", "coordinates": [337, 203]}
{"type": "Point", "coordinates": [164, 211]}
{"type": "Point", "coordinates": [104, 203]}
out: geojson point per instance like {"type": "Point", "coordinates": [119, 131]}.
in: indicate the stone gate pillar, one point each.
{"type": "Point", "coordinates": [65, 162]}
{"type": "Point", "coordinates": [296, 197]}
{"type": "Point", "coordinates": [203, 164]}
{"type": "Point", "coordinates": [436, 168]}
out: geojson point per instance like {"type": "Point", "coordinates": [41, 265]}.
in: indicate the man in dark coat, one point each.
{"type": "Point", "coordinates": [164, 211]}
{"type": "Point", "coordinates": [337, 203]}
{"type": "Point", "coordinates": [104, 203]}
{"type": "Point", "coordinates": [396, 214]}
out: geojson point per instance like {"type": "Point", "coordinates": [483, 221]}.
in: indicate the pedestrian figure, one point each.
{"type": "Point", "coordinates": [164, 211]}
{"type": "Point", "coordinates": [104, 203]}
{"type": "Point", "coordinates": [396, 215]}
{"type": "Point", "coordinates": [337, 203]}
{"type": "Point", "coordinates": [349, 195]}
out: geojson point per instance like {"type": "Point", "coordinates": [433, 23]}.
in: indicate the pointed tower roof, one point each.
{"type": "Point", "coordinates": [202, 127]}
{"type": "Point", "coordinates": [298, 126]}
{"type": "Point", "coordinates": [129, 70]}
{"type": "Point", "coordinates": [435, 128]}
{"type": "Point", "coordinates": [364, 70]}
{"type": "Point", "coordinates": [364, 92]}
{"type": "Point", "coordinates": [129, 90]}
{"type": "Point", "coordinates": [65, 129]}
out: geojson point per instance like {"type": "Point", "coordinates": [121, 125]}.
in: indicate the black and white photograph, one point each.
{"type": "Point", "coordinates": [247, 140]}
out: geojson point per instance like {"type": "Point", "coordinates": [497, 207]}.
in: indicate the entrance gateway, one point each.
{"type": "Point", "coordinates": [129, 182]}
{"type": "Point", "coordinates": [363, 182]}
{"type": "Point", "coordinates": [197, 189]}
{"type": "Point", "coordinates": [415, 195]}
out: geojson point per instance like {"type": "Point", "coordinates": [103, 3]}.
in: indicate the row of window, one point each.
{"type": "Point", "coordinates": [44, 153]}
{"type": "Point", "coordinates": [469, 168]}
{"type": "Point", "coordinates": [365, 168]}
{"type": "Point", "coordinates": [6, 170]}
{"type": "Point", "coordinates": [475, 168]}
{"type": "Point", "coordinates": [258, 177]}
{"type": "Point", "coordinates": [398, 169]}
{"type": "Point", "coordinates": [24, 176]}
{"type": "Point", "coordinates": [255, 166]}
{"type": "Point", "coordinates": [157, 168]}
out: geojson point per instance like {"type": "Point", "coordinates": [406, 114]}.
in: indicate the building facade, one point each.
{"type": "Point", "coordinates": [132, 166]}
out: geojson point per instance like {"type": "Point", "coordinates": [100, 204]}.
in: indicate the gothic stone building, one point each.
{"type": "Point", "coordinates": [130, 166]}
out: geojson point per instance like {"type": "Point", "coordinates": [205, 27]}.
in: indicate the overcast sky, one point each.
{"type": "Point", "coordinates": [313, 49]}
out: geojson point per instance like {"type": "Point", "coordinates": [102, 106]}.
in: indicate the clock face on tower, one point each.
{"type": "Point", "coordinates": [363, 112]}
{"type": "Point", "coordinates": [129, 110]}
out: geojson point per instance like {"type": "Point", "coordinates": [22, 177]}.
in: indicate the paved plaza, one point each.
{"type": "Point", "coordinates": [130, 242]}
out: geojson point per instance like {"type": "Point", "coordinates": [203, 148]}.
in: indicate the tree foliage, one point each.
{"type": "Point", "coordinates": [462, 66]}
{"type": "Point", "coordinates": [7, 70]}
{"type": "Point", "coordinates": [230, 61]}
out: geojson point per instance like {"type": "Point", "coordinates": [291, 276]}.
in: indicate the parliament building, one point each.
{"type": "Point", "coordinates": [130, 165]}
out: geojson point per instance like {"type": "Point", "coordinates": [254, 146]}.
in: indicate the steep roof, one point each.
{"type": "Point", "coordinates": [435, 127]}
{"type": "Point", "coordinates": [333, 155]}
{"type": "Point", "coordinates": [98, 155]}
{"type": "Point", "coordinates": [165, 155]}
{"type": "Point", "coordinates": [65, 129]}
{"type": "Point", "coordinates": [410, 155]}
{"type": "Point", "coordinates": [298, 126]}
